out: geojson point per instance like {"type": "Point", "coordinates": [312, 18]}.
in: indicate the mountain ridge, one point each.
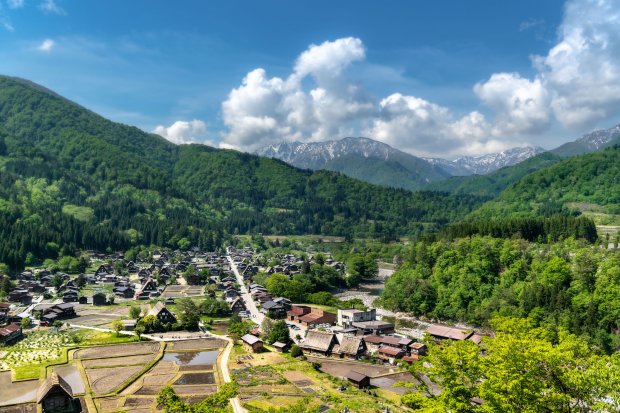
{"type": "Point", "coordinates": [379, 163]}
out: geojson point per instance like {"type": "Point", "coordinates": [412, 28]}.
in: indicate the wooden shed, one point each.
{"type": "Point", "coordinates": [357, 379]}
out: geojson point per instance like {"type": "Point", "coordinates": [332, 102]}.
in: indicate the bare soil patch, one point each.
{"type": "Point", "coordinates": [340, 369]}
{"type": "Point", "coordinates": [139, 401]}
{"type": "Point", "coordinates": [158, 379]}
{"type": "Point", "coordinates": [198, 344]}
{"type": "Point", "coordinates": [148, 390]}
{"type": "Point", "coordinates": [109, 404]}
{"type": "Point", "coordinates": [105, 380]}
{"type": "Point", "coordinates": [20, 408]}
{"type": "Point", "coordinates": [195, 389]}
{"type": "Point", "coordinates": [163, 367]}
{"type": "Point", "coordinates": [119, 350]}
{"type": "Point", "coordinates": [119, 361]}
{"type": "Point", "coordinates": [196, 378]}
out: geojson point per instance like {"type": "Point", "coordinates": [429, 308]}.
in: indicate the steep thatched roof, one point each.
{"type": "Point", "coordinates": [53, 381]}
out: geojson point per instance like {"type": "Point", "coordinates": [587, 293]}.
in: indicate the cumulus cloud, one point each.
{"type": "Point", "coordinates": [265, 110]}
{"type": "Point", "coordinates": [582, 71]}
{"type": "Point", "coordinates": [182, 132]}
{"type": "Point", "coordinates": [576, 84]}
{"type": "Point", "coordinates": [521, 105]}
{"type": "Point", "coordinates": [46, 45]}
{"type": "Point", "coordinates": [51, 7]}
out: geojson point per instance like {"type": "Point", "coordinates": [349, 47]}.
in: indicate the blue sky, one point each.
{"type": "Point", "coordinates": [432, 78]}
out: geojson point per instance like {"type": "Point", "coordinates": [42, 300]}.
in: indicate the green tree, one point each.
{"type": "Point", "coordinates": [26, 322]}
{"type": "Point", "coordinates": [117, 326]}
{"type": "Point", "coordinates": [279, 332]}
{"type": "Point", "coordinates": [188, 313]}
{"type": "Point", "coordinates": [134, 312]}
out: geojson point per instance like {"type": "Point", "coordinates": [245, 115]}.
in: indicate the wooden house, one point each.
{"type": "Point", "coordinates": [56, 395]}
{"type": "Point", "coordinates": [252, 343]}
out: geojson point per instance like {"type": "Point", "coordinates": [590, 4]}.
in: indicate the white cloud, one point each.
{"type": "Point", "coordinates": [583, 70]}
{"type": "Point", "coordinates": [181, 132]}
{"type": "Point", "coordinates": [521, 105]}
{"type": "Point", "coordinates": [6, 24]}
{"type": "Point", "coordinates": [46, 45]}
{"type": "Point", "coordinates": [15, 4]}
{"type": "Point", "coordinates": [264, 110]}
{"type": "Point", "coordinates": [51, 7]}
{"type": "Point", "coordinates": [577, 84]}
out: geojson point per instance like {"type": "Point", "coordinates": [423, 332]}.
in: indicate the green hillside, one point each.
{"type": "Point", "coordinates": [407, 172]}
{"type": "Point", "coordinates": [71, 179]}
{"type": "Point", "coordinates": [588, 179]}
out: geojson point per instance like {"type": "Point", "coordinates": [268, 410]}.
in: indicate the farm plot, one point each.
{"type": "Point", "coordinates": [199, 344]}
{"type": "Point", "coordinates": [120, 350]}
{"type": "Point", "coordinates": [16, 392]}
{"type": "Point", "coordinates": [93, 320]}
{"type": "Point", "coordinates": [104, 380]}
{"type": "Point", "coordinates": [119, 361]}
{"type": "Point", "coordinates": [37, 348]}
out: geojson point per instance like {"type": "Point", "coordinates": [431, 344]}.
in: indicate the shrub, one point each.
{"type": "Point", "coordinates": [296, 351]}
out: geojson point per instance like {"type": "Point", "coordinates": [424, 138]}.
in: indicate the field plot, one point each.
{"type": "Point", "coordinates": [199, 357]}
{"type": "Point", "coordinates": [118, 350]}
{"type": "Point", "coordinates": [179, 291]}
{"type": "Point", "coordinates": [16, 392]}
{"type": "Point", "coordinates": [119, 361]}
{"type": "Point", "coordinates": [104, 380]}
{"type": "Point", "coordinates": [296, 382]}
{"type": "Point", "coordinates": [204, 343]}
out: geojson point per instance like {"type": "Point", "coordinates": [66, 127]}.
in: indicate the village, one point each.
{"type": "Point", "coordinates": [121, 334]}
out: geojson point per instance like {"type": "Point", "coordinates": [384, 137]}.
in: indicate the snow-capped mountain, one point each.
{"type": "Point", "coordinates": [314, 155]}
{"type": "Point", "coordinates": [484, 164]}
{"type": "Point", "coordinates": [360, 158]}
{"type": "Point", "coordinates": [590, 142]}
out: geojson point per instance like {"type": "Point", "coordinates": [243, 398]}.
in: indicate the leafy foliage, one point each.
{"type": "Point", "coordinates": [568, 284]}
{"type": "Point", "coordinates": [543, 375]}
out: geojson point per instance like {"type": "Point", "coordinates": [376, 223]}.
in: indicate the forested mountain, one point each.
{"type": "Point", "coordinates": [71, 179]}
{"type": "Point", "coordinates": [591, 178]}
{"type": "Point", "coordinates": [361, 158]}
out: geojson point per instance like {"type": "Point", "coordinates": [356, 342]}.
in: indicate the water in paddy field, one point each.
{"type": "Point", "coordinates": [192, 358]}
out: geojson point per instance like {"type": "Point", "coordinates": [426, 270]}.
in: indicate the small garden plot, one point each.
{"type": "Point", "coordinates": [255, 376]}
{"type": "Point", "coordinates": [105, 380]}
{"type": "Point", "coordinates": [40, 339]}
{"type": "Point", "coordinates": [118, 350]}
{"type": "Point", "coordinates": [20, 358]}
{"type": "Point", "coordinates": [196, 378]}
{"type": "Point", "coordinates": [119, 361]}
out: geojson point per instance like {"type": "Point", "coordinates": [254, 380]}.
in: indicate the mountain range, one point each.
{"type": "Point", "coordinates": [378, 163]}
{"type": "Point", "coordinates": [70, 179]}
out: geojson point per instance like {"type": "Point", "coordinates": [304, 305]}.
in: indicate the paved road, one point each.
{"type": "Point", "coordinates": [256, 316]}
{"type": "Point", "coordinates": [235, 403]}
